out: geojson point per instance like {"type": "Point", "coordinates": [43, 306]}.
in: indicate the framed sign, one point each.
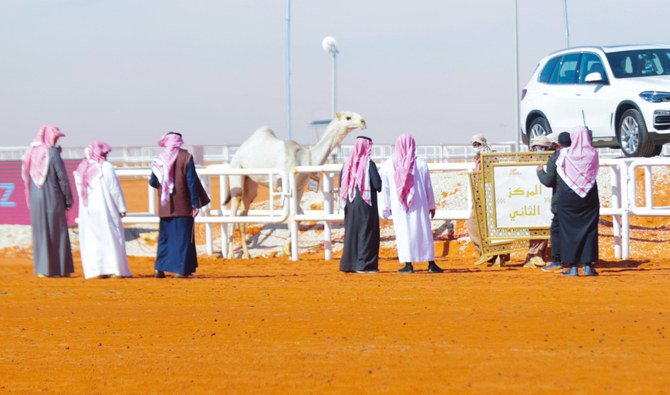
{"type": "Point", "coordinates": [521, 201]}
{"type": "Point", "coordinates": [516, 205]}
{"type": "Point", "coordinates": [489, 247]}
{"type": "Point", "coordinates": [510, 204]}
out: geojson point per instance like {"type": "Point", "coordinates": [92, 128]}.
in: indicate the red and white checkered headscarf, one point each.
{"type": "Point", "coordinates": [162, 164]}
{"type": "Point", "coordinates": [36, 158]}
{"type": "Point", "coordinates": [355, 173]}
{"type": "Point", "coordinates": [578, 164]}
{"type": "Point", "coordinates": [404, 161]}
{"type": "Point", "coordinates": [90, 167]}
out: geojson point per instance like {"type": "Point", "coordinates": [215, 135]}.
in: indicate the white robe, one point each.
{"type": "Point", "coordinates": [102, 240]}
{"type": "Point", "coordinates": [413, 232]}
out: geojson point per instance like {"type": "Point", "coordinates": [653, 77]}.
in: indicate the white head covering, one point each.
{"type": "Point", "coordinates": [553, 137]}
{"type": "Point", "coordinates": [540, 141]}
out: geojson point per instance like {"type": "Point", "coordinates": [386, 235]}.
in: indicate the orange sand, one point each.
{"type": "Point", "coordinates": [276, 326]}
{"type": "Point", "coordinates": [271, 325]}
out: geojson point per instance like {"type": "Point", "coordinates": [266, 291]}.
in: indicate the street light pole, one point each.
{"type": "Point", "coordinates": [517, 121]}
{"type": "Point", "coordinates": [329, 45]}
{"type": "Point", "coordinates": [565, 17]}
{"type": "Point", "coordinates": [334, 79]}
{"type": "Point", "coordinates": [288, 66]}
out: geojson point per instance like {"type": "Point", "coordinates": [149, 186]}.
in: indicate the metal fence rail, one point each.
{"type": "Point", "coordinates": [332, 212]}
{"type": "Point", "coordinates": [622, 190]}
{"type": "Point", "coordinates": [209, 215]}
{"type": "Point", "coordinates": [207, 154]}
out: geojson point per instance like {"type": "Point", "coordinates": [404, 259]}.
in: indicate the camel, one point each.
{"type": "Point", "coordinates": [264, 150]}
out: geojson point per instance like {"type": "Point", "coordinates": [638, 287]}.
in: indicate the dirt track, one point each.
{"type": "Point", "coordinates": [279, 326]}
{"type": "Point", "coordinates": [276, 326]}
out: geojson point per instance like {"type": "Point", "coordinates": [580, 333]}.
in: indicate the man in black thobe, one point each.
{"type": "Point", "coordinates": [359, 184]}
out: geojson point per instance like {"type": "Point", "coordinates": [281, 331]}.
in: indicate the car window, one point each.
{"type": "Point", "coordinates": [566, 71]}
{"type": "Point", "coordinates": [591, 63]}
{"type": "Point", "coordinates": [640, 63]}
{"type": "Point", "coordinates": [545, 75]}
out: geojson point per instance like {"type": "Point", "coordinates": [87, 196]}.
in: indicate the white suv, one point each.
{"type": "Point", "coordinates": [622, 94]}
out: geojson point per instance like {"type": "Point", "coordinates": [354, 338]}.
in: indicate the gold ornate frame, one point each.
{"type": "Point", "coordinates": [489, 248]}
{"type": "Point", "coordinates": [494, 240]}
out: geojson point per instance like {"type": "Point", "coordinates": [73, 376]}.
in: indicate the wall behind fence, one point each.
{"type": "Point", "coordinates": [13, 207]}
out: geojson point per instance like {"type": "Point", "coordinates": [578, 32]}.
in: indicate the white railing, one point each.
{"type": "Point", "coordinates": [329, 215]}
{"type": "Point", "coordinates": [431, 153]}
{"type": "Point", "coordinates": [621, 204]}
{"type": "Point", "coordinates": [143, 155]}
{"type": "Point", "coordinates": [630, 192]}
{"type": "Point", "coordinates": [649, 209]}
{"type": "Point", "coordinates": [618, 206]}
{"type": "Point", "coordinates": [220, 216]}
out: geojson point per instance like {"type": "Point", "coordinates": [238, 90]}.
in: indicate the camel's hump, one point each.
{"type": "Point", "coordinates": [260, 136]}
{"type": "Point", "coordinates": [263, 138]}
{"type": "Point", "coordinates": [265, 130]}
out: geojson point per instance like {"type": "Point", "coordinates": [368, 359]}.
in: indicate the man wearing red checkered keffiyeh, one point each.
{"type": "Point", "coordinates": [577, 203]}
{"type": "Point", "coordinates": [48, 194]}
{"type": "Point", "coordinates": [359, 184]}
{"type": "Point", "coordinates": [407, 195]}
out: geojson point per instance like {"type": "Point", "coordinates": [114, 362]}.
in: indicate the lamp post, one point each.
{"type": "Point", "coordinates": [288, 67]}
{"type": "Point", "coordinates": [329, 45]}
{"type": "Point", "coordinates": [517, 120]}
{"type": "Point", "coordinates": [565, 18]}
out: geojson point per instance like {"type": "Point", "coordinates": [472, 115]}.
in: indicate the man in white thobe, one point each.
{"type": "Point", "coordinates": [407, 196]}
{"type": "Point", "coordinates": [102, 240]}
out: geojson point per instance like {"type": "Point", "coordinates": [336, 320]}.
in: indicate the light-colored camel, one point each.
{"type": "Point", "coordinates": [264, 150]}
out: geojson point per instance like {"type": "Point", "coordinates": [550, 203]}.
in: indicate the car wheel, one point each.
{"type": "Point", "coordinates": [657, 150]}
{"type": "Point", "coordinates": [539, 127]}
{"type": "Point", "coordinates": [633, 136]}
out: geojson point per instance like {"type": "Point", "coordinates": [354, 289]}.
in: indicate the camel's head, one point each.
{"type": "Point", "coordinates": [343, 124]}
{"type": "Point", "coordinates": [350, 120]}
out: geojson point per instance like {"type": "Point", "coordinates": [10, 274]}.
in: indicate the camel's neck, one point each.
{"type": "Point", "coordinates": [333, 135]}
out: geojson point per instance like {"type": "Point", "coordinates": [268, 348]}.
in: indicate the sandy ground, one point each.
{"type": "Point", "coordinates": [271, 325]}
{"type": "Point", "coordinates": [274, 326]}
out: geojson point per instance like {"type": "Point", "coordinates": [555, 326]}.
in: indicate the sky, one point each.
{"type": "Point", "coordinates": [128, 71]}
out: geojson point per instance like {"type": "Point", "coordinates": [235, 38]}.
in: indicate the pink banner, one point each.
{"type": "Point", "coordinates": [13, 208]}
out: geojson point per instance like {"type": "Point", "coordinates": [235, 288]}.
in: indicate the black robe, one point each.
{"type": "Point", "coordinates": [361, 229]}
{"type": "Point", "coordinates": [578, 224]}
{"type": "Point", "coordinates": [549, 179]}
